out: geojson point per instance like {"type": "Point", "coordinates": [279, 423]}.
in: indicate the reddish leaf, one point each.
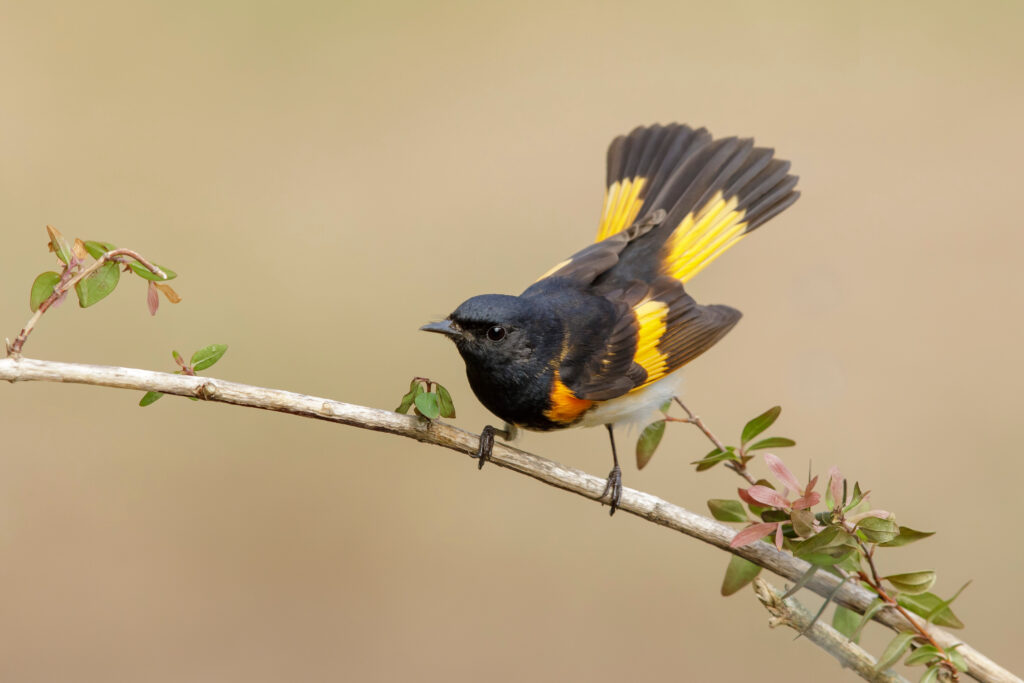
{"type": "Point", "coordinates": [778, 538]}
{"type": "Point", "coordinates": [745, 497]}
{"type": "Point", "coordinates": [152, 299]}
{"type": "Point", "coordinates": [766, 496]}
{"type": "Point", "coordinates": [810, 485]}
{"type": "Point", "coordinates": [835, 484]}
{"type": "Point", "coordinates": [807, 502]}
{"type": "Point", "coordinates": [782, 472]}
{"type": "Point", "coordinates": [753, 533]}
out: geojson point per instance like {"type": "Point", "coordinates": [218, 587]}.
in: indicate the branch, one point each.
{"type": "Point", "coordinates": [641, 504]}
{"type": "Point", "coordinates": [789, 612]}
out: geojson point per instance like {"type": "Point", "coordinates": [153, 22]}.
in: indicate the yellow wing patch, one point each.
{"type": "Point", "coordinates": [703, 236]}
{"type": "Point", "coordinates": [565, 407]}
{"type": "Point", "coordinates": [622, 202]}
{"type": "Point", "coordinates": [650, 316]}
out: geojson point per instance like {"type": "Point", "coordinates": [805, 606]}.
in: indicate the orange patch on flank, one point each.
{"type": "Point", "coordinates": [565, 407]}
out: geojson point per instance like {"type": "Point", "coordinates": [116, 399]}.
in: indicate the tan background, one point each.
{"type": "Point", "coordinates": [326, 177]}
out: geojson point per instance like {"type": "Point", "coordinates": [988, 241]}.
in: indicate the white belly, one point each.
{"type": "Point", "coordinates": [636, 409]}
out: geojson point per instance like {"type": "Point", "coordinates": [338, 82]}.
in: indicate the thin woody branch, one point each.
{"type": "Point", "coordinates": [14, 349]}
{"type": "Point", "coordinates": [789, 612]}
{"type": "Point", "coordinates": [638, 503]}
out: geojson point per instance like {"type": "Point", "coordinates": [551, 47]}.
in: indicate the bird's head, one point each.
{"type": "Point", "coordinates": [496, 330]}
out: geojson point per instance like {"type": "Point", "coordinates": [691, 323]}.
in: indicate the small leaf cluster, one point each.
{"type": "Point", "coordinates": [744, 453]}
{"type": "Point", "coordinates": [841, 538]}
{"type": "Point", "coordinates": [201, 360]}
{"type": "Point", "coordinates": [428, 399]}
{"type": "Point", "coordinates": [49, 288]}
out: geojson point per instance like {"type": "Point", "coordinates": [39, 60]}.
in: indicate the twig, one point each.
{"type": "Point", "coordinates": [641, 504]}
{"type": "Point", "coordinates": [738, 467]}
{"type": "Point", "coordinates": [789, 612]}
{"type": "Point", "coordinates": [60, 290]}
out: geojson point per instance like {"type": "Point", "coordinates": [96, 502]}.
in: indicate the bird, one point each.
{"type": "Point", "coordinates": [600, 338]}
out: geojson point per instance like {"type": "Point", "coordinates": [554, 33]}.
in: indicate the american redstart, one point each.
{"type": "Point", "coordinates": [600, 337]}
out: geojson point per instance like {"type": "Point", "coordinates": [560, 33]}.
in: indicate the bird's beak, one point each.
{"type": "Point", "coordinates": [444, 327]}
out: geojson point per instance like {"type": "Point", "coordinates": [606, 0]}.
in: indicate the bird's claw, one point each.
{"type": "Point", "coordinates": [613, 487]}
{"type": "Point", "coordinates": [483, 452]}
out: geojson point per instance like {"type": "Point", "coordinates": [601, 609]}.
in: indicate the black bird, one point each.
{"type": "Point", "coordinates": [600, 337]}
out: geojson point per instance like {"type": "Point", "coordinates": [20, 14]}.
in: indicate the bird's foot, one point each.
{"type": "Point", "coordinates": [483, 451]}
{"type": "Point", "coordinates": [614, 488]}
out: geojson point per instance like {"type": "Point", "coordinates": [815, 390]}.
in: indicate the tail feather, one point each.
{"type": "Point", "coordinates": [713, 192]}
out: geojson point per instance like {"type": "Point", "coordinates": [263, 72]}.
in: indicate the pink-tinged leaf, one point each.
{"type": "Point", "coordinates": [782, 472]}
{"type": "Point", "coordinates": [810, 485]}
{"type": "Point", "coordinates": [745, 498]}
{"type": "Point", "coordinates": [835, 483]}
{"type": "Point", "coordinates": [753, 533]}
{"type": "Point", "coordinates": [766, 496]}
{"type": "Point", "coordinates": [152, 298]}
{"type": "Point", "coordinates": [807, 502]}
{"type": "Point", "coordinates": [778, 538]}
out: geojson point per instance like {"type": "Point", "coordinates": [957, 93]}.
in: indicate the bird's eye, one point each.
{"type": "Point", "coordinates": [496, 333]}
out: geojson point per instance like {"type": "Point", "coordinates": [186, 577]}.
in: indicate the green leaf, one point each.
{"type": "Point", "coordinates": [958, 659]}
{"type": "Point", "coordinates": [894, 650]}
{"type": "Point", "coordinates": [801, 582]}
{"type": "Point", "coordinates": [98, 285]}
{"type": "Point", "coordinates": [912, 583]}
{"type": "Point", "coordinates": [931, 674]}
{"type": "Point", "coordinates": [42, 288]}
{"type": "Point", "coordinates": [803, 523]}
{"type": "Point", "coordinates": [873, 608]}
{"type": "Point", "coordinates": [58, 244]}
{"type": "Point", "coordinates": [98, 249]}
{"type": "Point", "coordinates": [714, 457]}
{"type": "Point", "coordinates": [150, 397]}
{"type": "Point", "coordinates": [426, 405]}
{"type": "Point", "coordinates": [826, 548]}
{"type": "Point", "coordinates": [415, 387]}
{"type": "Point", "coordinates": [857, 498]}
{"type": "Point", "coordinates": [772, 442]}
{"type": "Point", "coordinates": [845, 621]}
{"type": "Point", "coordinates": [760, 423]}
{"type": "Point", "coordinates": [931, 607]}
{"type": "Point", "coordinates": [144, 272]}
{"type": "Point", "coordinates": [444, 402]}
{"type": "Point", "coordinates": [725, 510]}
{"type": "Point", "coordinates": [738, 574]}
{"type": "Point", "coordinates": [906, 537]}
{"type": "Point", "coordinates": [922, 655]}
{"type": "Point", "coordinates": [877, 530]}
{"type": "Point", "coordinates": [648, 442]}
{"type": "Point", "coordinates": [207, 356]}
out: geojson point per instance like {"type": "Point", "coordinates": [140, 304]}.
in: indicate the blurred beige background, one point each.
{"type": "Point", "coordinates": [326, 177]}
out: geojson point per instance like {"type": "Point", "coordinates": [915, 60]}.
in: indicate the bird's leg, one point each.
{"type": "Point", "coordinates": [614, 485]}
{"type": "Point", "coordinates": [483, 451]}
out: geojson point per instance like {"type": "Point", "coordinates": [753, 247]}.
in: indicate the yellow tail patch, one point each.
{"type": "Point", "coordinates": [622, 202]}
{"type": "Point", "coordinates": [651, 316]}
{"type": "Point", "coordinates": [703, 236]}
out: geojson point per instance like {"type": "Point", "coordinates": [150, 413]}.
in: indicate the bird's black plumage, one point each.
{"type": "Point", "coordinates": [615, 319]}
